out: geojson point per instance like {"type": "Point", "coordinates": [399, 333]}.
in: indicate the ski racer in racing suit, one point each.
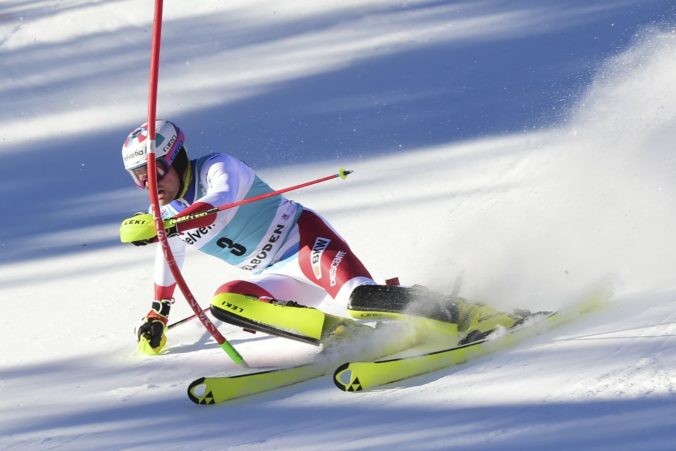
{"type": "Point", "coordinates": [288, 251]}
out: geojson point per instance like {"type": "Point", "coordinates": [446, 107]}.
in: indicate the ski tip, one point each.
{"type": "Point", "coordinates": [339, 376]}
{"type": "Point", "coordinates": [345, 380]}
{"type": "Point", "coordinates": [343, 173]}
{"type": "Point", "coordinates": [198, 393]}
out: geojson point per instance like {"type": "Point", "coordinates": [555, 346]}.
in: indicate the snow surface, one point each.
{"type": "Point", "coordinates": [527, 145]}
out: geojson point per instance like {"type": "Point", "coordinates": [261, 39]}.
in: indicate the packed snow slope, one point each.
{"type": "Point", "coordinates": [525, 145]}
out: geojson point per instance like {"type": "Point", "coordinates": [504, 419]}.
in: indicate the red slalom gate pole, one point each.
{"type": "Point", "coordinates": [154, 197]}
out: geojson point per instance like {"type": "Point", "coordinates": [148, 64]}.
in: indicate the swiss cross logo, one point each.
{"type": "Point", "coordinates": [140, 135]}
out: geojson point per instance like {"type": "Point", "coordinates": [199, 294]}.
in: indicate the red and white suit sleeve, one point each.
{"type": "Point", "coordinates": [164, 280]}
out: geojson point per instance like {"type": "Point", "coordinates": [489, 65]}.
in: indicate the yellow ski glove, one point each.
{"type": "Point", "coordinates": [152, 339]}
{"type": "Point", "coordinates": [139, 230]}
{"type": "Point", "coordinates": [152, 333]}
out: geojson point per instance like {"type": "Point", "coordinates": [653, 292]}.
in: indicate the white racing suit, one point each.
{"type": "Point", "coordinates": [290, 252]}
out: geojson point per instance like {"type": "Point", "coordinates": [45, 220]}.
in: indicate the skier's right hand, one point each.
{"type": "Point", "coordinates": [151, 333]}
{"type": "Point", "coordinates": [139, 230]}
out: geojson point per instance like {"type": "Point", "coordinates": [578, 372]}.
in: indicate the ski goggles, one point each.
{"type": "Point", "coordinates": [140, 174]}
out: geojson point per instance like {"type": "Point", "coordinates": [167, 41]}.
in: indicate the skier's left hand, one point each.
{"type": "Point", "coordinates": [139, 230]}
{"type": "Point", "coordinates": [151, 333]}
{"type": "Point", "coordinates": [151, 337]}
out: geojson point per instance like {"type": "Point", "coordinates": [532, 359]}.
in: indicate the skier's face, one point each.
{"type": "Point", "coordinates": [140, 174]}
{"type": "Point", "coordinates": [168, 186]}
{"type": "Point", "coordinates": [168, 182]}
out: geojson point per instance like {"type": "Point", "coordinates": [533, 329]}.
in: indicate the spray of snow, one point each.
{"type": "Point", "coordinates": [595, 202]}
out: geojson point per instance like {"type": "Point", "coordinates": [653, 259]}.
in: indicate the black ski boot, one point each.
{"type": "Point", "coordinates": [416, 300]}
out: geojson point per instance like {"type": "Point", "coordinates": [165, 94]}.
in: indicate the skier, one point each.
{"type": "Point", "coordinates": [286, 251]}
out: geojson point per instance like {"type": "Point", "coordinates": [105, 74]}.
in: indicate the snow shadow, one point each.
{"type": "Point", "coordinates": [646, 423]}
{"type": "Point", "coordinates": [69, 192]}
{"type": "Point", "coordinates": [109, 405]}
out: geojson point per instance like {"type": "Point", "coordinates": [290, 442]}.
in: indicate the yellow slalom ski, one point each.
{"type": "Point", "coordinates": [362, 375]}
{"type": "Point", "coordinates": [383, 341]}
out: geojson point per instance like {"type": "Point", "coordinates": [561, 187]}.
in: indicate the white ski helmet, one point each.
{"type": "Point", "coordinates": [169, 141]}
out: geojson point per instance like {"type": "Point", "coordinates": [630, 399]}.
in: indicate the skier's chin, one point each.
{"type": "Point", "coordinates": [163, 197]}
